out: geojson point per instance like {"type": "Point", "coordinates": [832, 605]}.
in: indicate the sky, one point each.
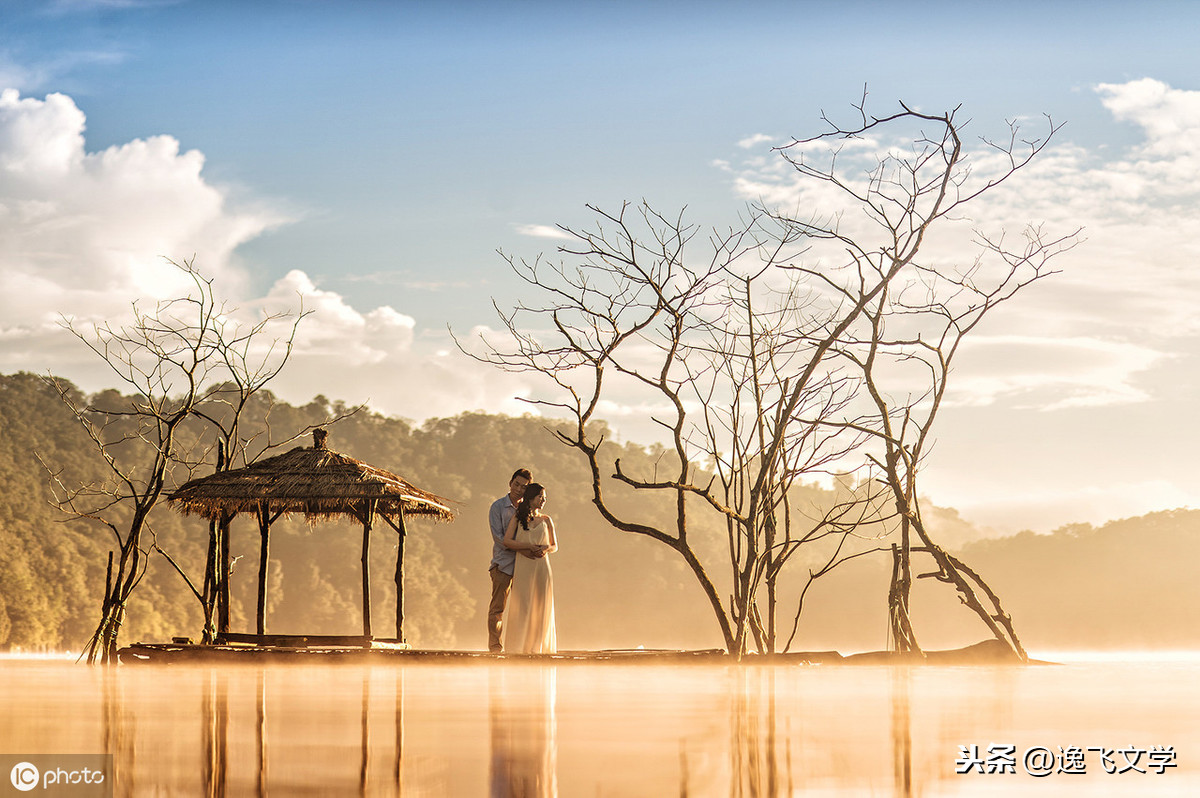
{"type": "Point", "coordinates": [371, 159]}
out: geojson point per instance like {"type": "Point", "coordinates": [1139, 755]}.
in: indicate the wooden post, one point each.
{"type": "Point", "coordinates": [210, 584]}
{"type": "Point", "coordinates": [264, 545]}
{"type": "Point", "coordinates": [400, 577]}
{"type": "Point", "coordinates": [223, 581]}
{"type": "Point", "coordinates": [368, 517]}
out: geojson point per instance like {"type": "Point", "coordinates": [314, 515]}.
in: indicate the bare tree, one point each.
{"type": "Point", "coordinates": [905, 339]}
{"type": "Point", "coordinates": [177, 359]}
{"type": "Point", "coordinates": [742, 376]}
{"type": "Point", "coordinates": [714, 346]}
{"type": "Point", "coordinates": [906, 378]}
{"type": "Point", "coordinates": [246, 366]}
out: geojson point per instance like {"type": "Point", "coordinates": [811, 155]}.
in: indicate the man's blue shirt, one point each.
{"type": "Point", "coordinates": [499, 515]}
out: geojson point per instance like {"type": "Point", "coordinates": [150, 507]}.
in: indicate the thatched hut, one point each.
{"type": "Point", "coordinates": [321, 484]}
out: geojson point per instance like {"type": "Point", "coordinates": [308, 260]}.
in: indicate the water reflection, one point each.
{"type": "Point", "coordinates": [522, 729]}
{"type": "Point", "coordinates": [755, 768]}
{"type": "Point", "coordinates": [260, 733]}
{"type": "Point", "coordinates": [118, 729]}
{"type": "Point", "coordinates": [398, 758]}
{"type": "Point", "coordinates": [524, 749]}
{"type": "Point", "coordinates": [765, 739]}
{"type": "Point", "coordinates": [224, 713]}
{"type": "Point", "coordinates": [901, 731]}
{"type": "Point", "coordinates": [364, 766]}
{"type": "Point", "coordinates": [215, 721]}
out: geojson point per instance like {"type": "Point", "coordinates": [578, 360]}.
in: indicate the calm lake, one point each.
{"type": "Point", "coordinates": [1112, 725]}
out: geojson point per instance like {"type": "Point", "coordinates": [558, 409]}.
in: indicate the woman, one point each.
{"type": "Point", "coordinates": [530, 625]}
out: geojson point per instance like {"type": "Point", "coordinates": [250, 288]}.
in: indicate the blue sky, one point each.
{"type": "Point", "coordinates": [375, 155]}
{"type": "Point", "coordinates": [411, 134]}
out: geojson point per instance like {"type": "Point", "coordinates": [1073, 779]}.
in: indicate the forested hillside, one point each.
{"type": "Point", "coordinates": [1124, 584]}
{"type": "Point", "coordinates": [1127, 584]}
{"type": "Point", "coordinates": [614, 589]}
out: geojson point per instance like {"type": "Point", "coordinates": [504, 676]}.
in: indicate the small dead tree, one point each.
{"type": "Point", "coordinates": [906, 378]}
{"type": "Point", "coordinates": [906, 338]}
{"type": "Point", "coordinates": [176, 359]}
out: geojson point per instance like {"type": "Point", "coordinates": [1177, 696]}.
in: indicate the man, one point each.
{"type": "Point", "coordinates": [504, 558]}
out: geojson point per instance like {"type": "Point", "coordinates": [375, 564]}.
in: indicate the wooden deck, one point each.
{"type": "Point", "coordinates": [318, 648]}
{"type": "Point", "coordinates": [244, 648]}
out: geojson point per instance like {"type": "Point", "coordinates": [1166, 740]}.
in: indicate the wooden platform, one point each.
{"type": "Point", "coordinates": [240, 648]}
{"type": "Point", "coordinates": [315, 648]}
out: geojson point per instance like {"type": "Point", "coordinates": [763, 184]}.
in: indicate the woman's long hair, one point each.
{"type": "Point", "coordinates": [525, 507]}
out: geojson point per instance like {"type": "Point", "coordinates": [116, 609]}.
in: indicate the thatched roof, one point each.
{"type": "Point", "coordinates": [312, 480]}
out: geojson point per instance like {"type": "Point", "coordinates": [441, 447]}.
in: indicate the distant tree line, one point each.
{"type": "Point", "coordinates": [1123, 584]}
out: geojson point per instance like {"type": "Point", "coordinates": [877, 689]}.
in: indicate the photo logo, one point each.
{"type": "Point", "coordinates": [78, 775]}
{"type": "Point", "coordinates": [24, 776]}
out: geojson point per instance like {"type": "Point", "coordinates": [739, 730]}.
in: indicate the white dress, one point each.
{"type": "Point", "coordinates": [530, 625]}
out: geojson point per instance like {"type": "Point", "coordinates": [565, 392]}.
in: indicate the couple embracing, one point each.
{"type": "Point", "coordinates": [522, 539]}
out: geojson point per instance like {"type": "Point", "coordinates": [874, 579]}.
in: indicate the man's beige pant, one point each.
{"type": "Point", "coordinates": [501, 582]}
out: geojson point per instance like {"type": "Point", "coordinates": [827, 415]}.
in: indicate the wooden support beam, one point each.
{"type": "Point", "coordinates": [399, 577]}
{"type": "Point", "coordinates": [264, 547]}
{"type": "Point", "coordinates": [211, 583]}
{"type": "Point", "coordinates": [223, 575]}
{"type": "Point", "coordinates": [368, 517]}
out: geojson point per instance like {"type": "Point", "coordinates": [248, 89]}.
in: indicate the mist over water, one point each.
{"type": "Point", "coordinates": [533, 728]}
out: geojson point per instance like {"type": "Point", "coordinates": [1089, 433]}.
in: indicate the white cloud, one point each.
{"type": "Point", "coordinates": [84, 235]}
{"type": "Point", "coordinates": [378, 358]}
{"type": "Point", "coordinates": [540, 231]}
{"type": "Point", "coordinates": [78, 6]}
{"type": "Point", "coordinates": [1170, 117]}
{"type": "Point", "coordinates": [1050, 373]}
{"type": "Point", "coordinates": [14, 74]}
{"type": "Point", "coordinates": [753, 141]}
{"type": "Point", "coordinates": [46, 69]}
{"type": "Point", "coordinates": [333, 329]}
{"type": "Point", "coordinates": [1130, 284]}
